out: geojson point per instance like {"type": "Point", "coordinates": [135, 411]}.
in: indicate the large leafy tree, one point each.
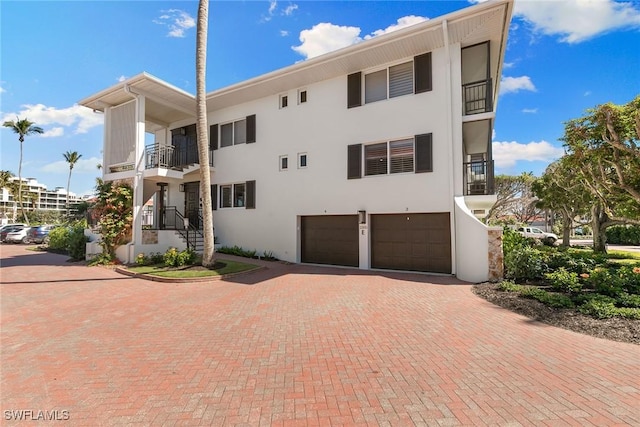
{"type": "Point", "coordinates": [72, 158]}
{"type": "Point", "coordinates": [208, 256]}
{"type": "Point", "coordinates": [559, 191]}
{"type": "Point", "coordinates": [603, 150]}
{"type": "Point", "coordinates": [23, 127]}
{"type": "Point", "coordinates": [604, 146]}
{"type": "Point", "coordinates": [515, 200]}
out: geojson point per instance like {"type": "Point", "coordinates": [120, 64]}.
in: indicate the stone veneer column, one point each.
{"type": "Point", "coordinates": [496, 259]}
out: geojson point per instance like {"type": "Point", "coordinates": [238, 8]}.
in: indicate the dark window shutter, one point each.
{"type": "Point", "coordinates": [213, 137]}
{"type": "Point", "coordinates": [251, 129]}
{"type": "Point", "coordinates": [422, 72]}
{"type": "Point", "coordinates": [354, 161]}
{"type": "Point", "coordinates": [424, 153]}
{"type": "Point", "coordinates": [354, 90]}
{"type": "Point", "coordinates": [250, 195]}
{"type": "Point", "coordinates": [214, 197]}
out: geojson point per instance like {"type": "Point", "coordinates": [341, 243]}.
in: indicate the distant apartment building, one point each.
{"type": "Point", "coordinates": [35, 196]}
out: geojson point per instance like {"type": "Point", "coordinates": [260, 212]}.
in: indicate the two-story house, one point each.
{"type": "Point", "coordinates": [375, 156]}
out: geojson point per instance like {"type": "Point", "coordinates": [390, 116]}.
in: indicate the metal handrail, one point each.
{"type": "Point", "coordinates": [173, 157]}
{"type": "Point", "coordinates": [478, 97]}
{"type": "Point", "coordinates": [479, 177]}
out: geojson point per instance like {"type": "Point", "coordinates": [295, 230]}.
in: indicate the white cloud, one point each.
{"type": "Point", "coordinates": [506, 154]}
{"type": "Point", "coordinates": [405, 21]}
{"type": "Point", "coordinates": [2, 90]}
{"type": "Point", "coordinates": [273, 4]}
{"type": "Point", "coordinates": [284, 33]}
{"type": "Point", "coordinates": [516, 84]}
{"type": "Point", "coordinates": [327, 37]}
{"type": "Point", "coordinates": [587, 93]}
{"type": "Point", "coordinates": [507, 65]}
{"type": "Point", "coordinates": [82, 166]}
{"type": "Point", "coordinates": [80, 118]}
{"type": "Point", "coordinates": [530, 110]}
{"type": "Point", "coordinates": [575, 21]}
{"type": "Point", "coordinates": [53, 132]}
{"type": "Point", "coordinates": [288, 11]}
{"type": "Point", "coordinates": [177, 21]}
{"type": "Point", "coordinates": [121, 78]}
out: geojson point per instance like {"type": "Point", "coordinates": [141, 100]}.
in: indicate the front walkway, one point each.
{"type": "Point", "coordinates": [292, 345]}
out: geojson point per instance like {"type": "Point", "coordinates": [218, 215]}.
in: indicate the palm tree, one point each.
{"type": "Point", "coordinates": [208, 256]}
{"type": "Point", "coordinates": [23, 127]}
{"type": "Point", "coordinates": [11, 186]}
{"type": "Point", "coordinates": [72, 158]}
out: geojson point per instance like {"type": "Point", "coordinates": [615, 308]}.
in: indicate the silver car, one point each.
{"type": "Point", "coordinates": [18, 236]}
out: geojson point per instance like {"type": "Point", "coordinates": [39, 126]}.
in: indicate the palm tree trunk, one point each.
{"type": "Point", "coordinates": [26, 220]}
{"type": "Point", "coordinates": [68, 185]}
{"type": "Point", "coordinates": [208, 256]}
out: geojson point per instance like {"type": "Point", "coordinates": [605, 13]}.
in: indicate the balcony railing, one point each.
{"type": "Point", "coordinates": [477, 97]}
{"type": "Point", "coordinates": [172, 157]}
{"type": "Point", "coordinates": [478, 178]}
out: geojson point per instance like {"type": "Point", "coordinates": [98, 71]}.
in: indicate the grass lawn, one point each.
{"type": "Point", "coordinates": [193, 271]}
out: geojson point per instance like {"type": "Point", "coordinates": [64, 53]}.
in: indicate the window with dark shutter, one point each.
{"type": "Point", "coordinates": [422, 71]}
{"type": "Point", "coordinates": [375, 86]}
{"type": "Point", "coordinates": [401, 156]}
{"type": "Point", "coordinates": [354, 90]}
{"type": "Point", "coordinates": [354, 161]}
{"type": "Point", "coordinates": [401, 79]}
{"type": "Point", "coordinates": [375, 159]}
{"type": "Point", "coordinates": [251, 129]}
{"type": "Point", "coordinates": [239, 132]}
{"type": "Point", "coordinates": [226, 135]}
{"type": "Point", "coordinates": [225, 196]}
{"type": "Point", "coordinates": [213, 137]}
{"type": "Point", "coordinates": [251, 194]}
{"type": "Point", "coordinates": [214, 197]}
{"type": "Point", "coordinates": [424, 153]}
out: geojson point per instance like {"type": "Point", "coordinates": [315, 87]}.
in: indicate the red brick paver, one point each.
{"type": "Point", "coordinates": [292, 345]}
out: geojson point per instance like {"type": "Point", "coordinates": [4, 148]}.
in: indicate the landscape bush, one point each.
{"type": "Point", "coordinates": [524, 263]}
{"type": "Point", "coordinates": [174, 258]}
{"type": "Point", "coordinates": [624, 234]}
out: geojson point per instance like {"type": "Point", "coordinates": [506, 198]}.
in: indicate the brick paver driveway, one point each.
{"type": "Point", "coordinates": [292, 345]}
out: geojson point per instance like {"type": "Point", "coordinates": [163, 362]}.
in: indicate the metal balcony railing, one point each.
{"type": "Point", "coordinates": [173, 157]}
{"type": "Point", "coordinates": [478, 178]}
{"type": "Point", "coordinates": [477, 97]}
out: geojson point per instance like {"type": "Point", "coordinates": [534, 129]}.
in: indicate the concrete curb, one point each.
{"type": "Point", "coordinates": [154, 278]}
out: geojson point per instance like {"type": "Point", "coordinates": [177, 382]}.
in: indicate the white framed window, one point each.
{"type": "Point", "coordinates": [302, 160]}
{"type": "Point", "coordinates": [284, 101]}
{"type": "Point", "coordinates": [232, 195]}
{"type": "Point", "coordinates": [390, 82]}
{"type": "Point", "coordinates": [284, 163]}
{"type": "Point", "coordinates": [389, 157]}
{"type": "Point", "coordinates": [233, 133]}
{"type": "Point", "coordinates": [302, 96]}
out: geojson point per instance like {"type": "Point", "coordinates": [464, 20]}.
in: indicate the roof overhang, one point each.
{"type": "Point", "coordinates": [166, 103]}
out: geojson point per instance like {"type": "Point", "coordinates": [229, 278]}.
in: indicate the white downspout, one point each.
{"type": "Point", "coordinates": [449, 138]}
{"type": "Point", "coordinates": [138, 180]}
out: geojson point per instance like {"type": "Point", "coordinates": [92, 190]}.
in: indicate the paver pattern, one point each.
{"type": "Point", "coordinates": [292, 345]}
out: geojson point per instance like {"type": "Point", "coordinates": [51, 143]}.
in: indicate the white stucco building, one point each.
{"type": "Point", "coordinates": [377, 155]}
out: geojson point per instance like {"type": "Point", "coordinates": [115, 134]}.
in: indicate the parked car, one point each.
{"type": "Point", "coordinates": [4, 227]}
{"type": "Point", "coordinates": [536, 233]}
{"type": "Point", "coordinates": [39, 234]}
{"type": "Point", "coordinates": [17, 236]}
{"type": "Point", "coordinates": [9, 229]}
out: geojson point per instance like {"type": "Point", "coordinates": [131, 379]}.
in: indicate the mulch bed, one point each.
{"type": "Point", "coordinates": [615, 329]}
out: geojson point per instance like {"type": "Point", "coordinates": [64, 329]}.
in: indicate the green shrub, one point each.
{"type": "Point", "coordinates": [76, 241]}
{"type": "Point", "coordinates": [511, 240]}
{"type": "Point", "coordinates": [630, 278]}
{"type": "Point", "coordinates": [565, 281]}
{"type": "Point", "coordinates": [524, 263]}
{"type": "Point", "coordinates": [103, 258]}
{"type": "Point", "coordinates": [599, 306]}
{"type": "Point", "coordinates": [547, 298]}
{"type": "Point", "coordinates": [577, 262]}
{"type": "Point", "coordinates": [173, 258]}
{"type": "Point", "coordinates": [58, 239]}
{"type": "Point", "coordinates": [624, 234]}
{"type": "Point", "coordinates": [628, 300]}
{"type": "Point", "coordinates": [606, 281]}
{"type": "Point", "coordinates": [509, 286]}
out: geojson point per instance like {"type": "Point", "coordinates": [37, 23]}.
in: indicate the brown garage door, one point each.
{"type": "Point", "coordinates": [417, 242]}
{"type": "Point", "coordinates": [330, 239]}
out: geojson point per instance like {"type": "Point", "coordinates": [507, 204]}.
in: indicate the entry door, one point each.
{"type": "Point", "coordinates": [192, 203]}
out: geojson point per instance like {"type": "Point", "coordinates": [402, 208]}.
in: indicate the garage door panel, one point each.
{"type": "Point", "coordinates": [330, 239]}
{"type": "Point", "coordinates": [420, 242]}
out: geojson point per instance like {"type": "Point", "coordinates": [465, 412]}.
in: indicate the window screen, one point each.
{"type": "Point", "coordinates": [375, 159]}
{"type": "Point", "coordinates": [375, 86]}
{"type": "Point", "coordinates": [401, 79]}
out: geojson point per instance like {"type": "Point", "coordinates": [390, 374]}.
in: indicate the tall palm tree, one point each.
{"type": "Point", "coordinates": [11, 186]}
{"type": "Point", "coordinates": [208, 256]}
{"type": "Point", "coordinates": [23, 127]}
{"type": "Point", "coordinates": [72, 158]}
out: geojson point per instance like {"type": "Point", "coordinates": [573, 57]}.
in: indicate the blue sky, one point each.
{"type": "Point", "coordinates": [562, 58]}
